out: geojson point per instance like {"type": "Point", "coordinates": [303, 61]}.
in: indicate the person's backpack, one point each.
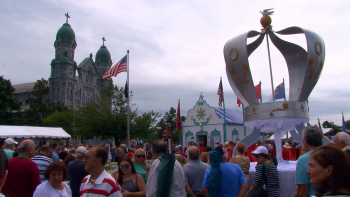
{"type": "Point", "coordinates": [165, 174]}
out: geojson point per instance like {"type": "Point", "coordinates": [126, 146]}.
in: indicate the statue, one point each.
{"type": "Point", "coordinates": [304, 69]}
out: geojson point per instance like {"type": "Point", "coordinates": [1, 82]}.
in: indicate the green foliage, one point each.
{"type": "Point", "coordinates": [327, 124]}
{"type": "Point", "coordinates": [9, 107]}
{"type": "Point", "coordinates": [169, 120]}
{"type": "Point", "coordinates": [106, 118]}
{"type": "Point", "coordinates": [64, 119]}
{"type": "Point", "coordinates": [143, 126]}
{"type": "Point", "coordinates": [347, 124]}
{"type": "Point", "coordinates": [40, 104]}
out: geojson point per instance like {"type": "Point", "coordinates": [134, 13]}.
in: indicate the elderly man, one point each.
{"type": "Point", "coordinates": [312, 138]}
{"type": "Point", "coordinates": [233, 182]}
{"type": "Point", "coordinates": [178, 180]}
{"type": "Point", "coordinates": [76, 171]}
{"type": "Point", "coordinates": [342, 140]}
{"type": "Point", "coordinates": [3, 169]}
{"type": "Point", "coordinates": [23, 174]}
{"type": "Point", "coordinates": [9, 147]}
{"type": "Point", "coordinates": [43, 160]}
{"type": "Point", "coordinates": [194, 173]}
{"type": "Point", "coordinates": [99, 182]}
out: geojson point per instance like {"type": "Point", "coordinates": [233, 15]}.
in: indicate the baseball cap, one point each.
{"type": "Point", "coordinates": [10, 141]}
{"type": "Point", "coordinates": [260, 150]}
{"type": "Point", "coordinates": [81, 149]}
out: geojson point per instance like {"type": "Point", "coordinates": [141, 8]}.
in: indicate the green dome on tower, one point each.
{"type": "Point", "coordinates": [66, 33]}
{"type": "Point", "coordinates": [103, 55]}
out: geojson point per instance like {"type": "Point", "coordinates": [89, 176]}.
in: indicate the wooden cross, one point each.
{"type": "Point", "coordinates": [67, 15]}
{"type": "Point", "coordinates": [103, 40]}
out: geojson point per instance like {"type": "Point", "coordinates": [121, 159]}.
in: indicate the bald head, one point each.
{"type": "Point", "coordinates": [193, 153]}
{"type": "Point", "coordinates": [27, 148]}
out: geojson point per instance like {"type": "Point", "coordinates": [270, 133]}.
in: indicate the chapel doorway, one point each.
{"type": "Point", "coordinates": [203, 139]}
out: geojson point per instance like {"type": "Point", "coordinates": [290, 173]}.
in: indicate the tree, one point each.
{"type": "Point", "coordinates": [40, 104]}
{"type": "Point", "coordinates": [169, 120]}
{"type": "Point", "coordinates": [9, 107]}
{"type": "Point", "coordinates": [64, 119]}
{"type": "Point", "coordinates": [144, 127]}
{"type": "Point", "coordinates": [106, 118]}
{"type": "Point", "coordinates": [347, 124]}
{"type": "Point", "coordinates": [327, 124]}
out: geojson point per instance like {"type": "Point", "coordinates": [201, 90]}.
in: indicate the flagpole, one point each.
{"type": "Point", "coordinates": [223, 101]}
{"type": "Point", "coordinates": [284, 89]}
{"type": "Point", "coordinates": [260, 91]}
{"type": "Point", "coordinates": [268, 50]}
{"type": "Point", "coordinates": [243, 120]}
{"type": "Point", "coordinates": [128, 109]}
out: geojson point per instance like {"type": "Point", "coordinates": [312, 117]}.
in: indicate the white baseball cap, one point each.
{"type": "Point", "coordinates": [260, 150]}
{"type": "Point", "coordinates": [10, 141]}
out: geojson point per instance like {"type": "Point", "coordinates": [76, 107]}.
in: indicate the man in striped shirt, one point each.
{"type": "Point", "coordinates": [99, 182]}
{"type": "Point", "coordinates": [43, 160]}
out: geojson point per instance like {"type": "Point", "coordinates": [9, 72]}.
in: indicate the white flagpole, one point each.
{"type": "Point", "coordinates": [128, 109]}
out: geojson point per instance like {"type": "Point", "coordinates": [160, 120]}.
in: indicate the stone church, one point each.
{"type": "Point", "coordinates": [70, 83]}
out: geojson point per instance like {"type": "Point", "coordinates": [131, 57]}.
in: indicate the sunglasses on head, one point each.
{"type": "Point", "coordinates": [126, 166]}
{"type": "Point", "coordinates": [139, 156]}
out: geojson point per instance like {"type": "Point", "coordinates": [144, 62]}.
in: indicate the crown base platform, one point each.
{"type": "Point", "coordinates": [276, 116]}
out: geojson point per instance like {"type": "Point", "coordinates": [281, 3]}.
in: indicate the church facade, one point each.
{"type": "Point", "coordinates": [70, 83]}
{"type": "Point", "coordinates": [206, 124]}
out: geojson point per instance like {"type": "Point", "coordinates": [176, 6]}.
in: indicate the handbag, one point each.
{"type": "Point", "coordinates": [260, 191]}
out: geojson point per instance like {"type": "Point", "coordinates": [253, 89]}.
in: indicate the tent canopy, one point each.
{"type": "Point", "coordinates": [32, 132]}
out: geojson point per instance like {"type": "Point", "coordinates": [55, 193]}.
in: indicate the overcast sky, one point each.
{"type": "Point", "coordinates": [176, 47]}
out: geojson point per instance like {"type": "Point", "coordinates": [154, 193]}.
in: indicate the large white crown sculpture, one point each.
{"type": "Point", "coordinates": [304, 69]}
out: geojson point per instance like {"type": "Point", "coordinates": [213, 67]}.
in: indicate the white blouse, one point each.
{"type": "Point", "coordinates": [46, 190]}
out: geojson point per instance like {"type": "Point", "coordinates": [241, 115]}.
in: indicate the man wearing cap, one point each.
{"type": "Point", "coordinates": [76, 171]}
{"type": "Point", "coordinates": [9, 147]}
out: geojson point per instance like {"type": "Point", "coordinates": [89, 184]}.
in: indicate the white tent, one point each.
{"type": "Point", "coordinates": [32, 132]}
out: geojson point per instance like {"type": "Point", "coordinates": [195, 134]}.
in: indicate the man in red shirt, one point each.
{"type": "Point", "coordinates": [200, 147]}
{"type": "Point", "coordinates": [23, 174]}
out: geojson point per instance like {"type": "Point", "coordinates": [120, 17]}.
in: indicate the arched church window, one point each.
{"type": "Point", "coordinates": [70, 71]}
{"type": "Point", "coordinates": [65, 54]}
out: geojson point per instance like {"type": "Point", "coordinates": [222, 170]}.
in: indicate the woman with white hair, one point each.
{"type": "Point", "coordinates": [140, 163]}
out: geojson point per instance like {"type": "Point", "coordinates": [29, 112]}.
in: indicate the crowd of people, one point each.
{"type": "Point", "coordinates": [195, 170]}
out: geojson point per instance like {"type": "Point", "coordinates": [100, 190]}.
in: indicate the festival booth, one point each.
{"type": "Point", "coordinates": [304, 69]}
{"type": "Point", "coordinates": [206, 124]}
{"type": "Point", "coordinates": [33, 132]}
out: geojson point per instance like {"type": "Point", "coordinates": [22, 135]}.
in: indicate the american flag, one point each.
{"type": "Point", "coordinates": [221, 94]}
{"type": "Point", "coordinates": [121, 66]}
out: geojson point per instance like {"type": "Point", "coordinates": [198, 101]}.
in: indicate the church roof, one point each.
{"type": "Point", "coordinates": [21, 88]}
{"type": "Point", "coordinates": [103, 55]}
{"type": "Point", "coordinates": [66, 33]}
{"type": "Point", "coordinates": [233, 116]}
{"type": "Point", "coordinates": [83, 62]}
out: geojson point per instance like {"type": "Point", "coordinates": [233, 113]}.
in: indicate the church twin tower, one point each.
{"type": "Point", "coordinates": [72, 84]}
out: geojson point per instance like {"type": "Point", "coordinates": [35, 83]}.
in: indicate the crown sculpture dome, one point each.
{"type": "Point", "coordinates": [304, 68]}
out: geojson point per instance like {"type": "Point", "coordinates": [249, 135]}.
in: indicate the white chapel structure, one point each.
{"type": "Point", "coordinates": [206, 124]}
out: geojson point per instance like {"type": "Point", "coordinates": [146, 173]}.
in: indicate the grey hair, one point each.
{"type": "Point", "coordinates": [145, 165]}
{"type": "Point", "coordinates": [313, 136]}
{"type": "Point", "coordinates": [176, 149]}
{"type": "Point", "coordinates": [224, 156]}
{"type": "Point", "coordinates": [343, 137]}
{"type": "Point", "coordinates": [24, 148]}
